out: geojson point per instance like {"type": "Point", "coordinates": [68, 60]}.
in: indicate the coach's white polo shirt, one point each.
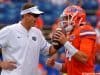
{"type": "Point", "coordinates": [22, 46]}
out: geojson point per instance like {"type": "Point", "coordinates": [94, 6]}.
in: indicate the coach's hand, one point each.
{"type": "Point", "coordinates": [8, 65]}
{"type": "Point", "coordinates": [50, 62]}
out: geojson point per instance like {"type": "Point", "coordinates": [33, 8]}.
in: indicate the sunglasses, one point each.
{"type": "Point", "coordinates": [34, 15]}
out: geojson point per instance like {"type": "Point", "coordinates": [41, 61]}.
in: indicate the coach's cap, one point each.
{"type": "Point", "coordinates": [33, 10]}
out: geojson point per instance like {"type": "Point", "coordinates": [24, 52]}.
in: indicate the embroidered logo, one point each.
{"type": "Point", "coordinates": [18, 37]}
{"type": "Point", "coordinates": [34, 38]}
{"type": "Point", "coordinates": [72, 37]}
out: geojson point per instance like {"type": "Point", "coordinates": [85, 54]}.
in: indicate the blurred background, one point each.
{"type": "Point", "coordinates": [10, 10]}
{"type": "Point", "coordinates": [10, 14]}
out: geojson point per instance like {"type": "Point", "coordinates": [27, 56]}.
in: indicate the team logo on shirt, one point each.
{"type": "Point", "coordinates": [34, 38]}
{"type": "Point", "coordinates": [72, 37]}
{"type": "Point", "coordinates": [18, 37]}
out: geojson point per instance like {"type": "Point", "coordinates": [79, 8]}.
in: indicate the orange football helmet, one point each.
{"type": "Point", "coordinates": [74, 15]}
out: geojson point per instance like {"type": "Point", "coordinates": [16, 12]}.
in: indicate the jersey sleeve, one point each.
{"type": "Point", "coordinates": [87, 46]}
{"type": "Point", "coordinates": [44, 45]}
{"type": "Point", "coordinates": [88, 39]}
{"type": "Point", "coordinates": [4, 33]}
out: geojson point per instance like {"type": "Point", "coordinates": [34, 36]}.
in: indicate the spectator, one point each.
{"type": "Point", "coordinates": [39, 23]}
{"type": "Point", "coordinates": [98, 14]}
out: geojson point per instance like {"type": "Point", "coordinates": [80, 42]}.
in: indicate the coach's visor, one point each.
{"type": "Point", "coordinates": [33, 10]}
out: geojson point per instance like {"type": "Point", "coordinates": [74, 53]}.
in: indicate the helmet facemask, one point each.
{"type": "Point", "coordinates": [66, 23]}
{"type": "Point", "coordinates": [72, 16]}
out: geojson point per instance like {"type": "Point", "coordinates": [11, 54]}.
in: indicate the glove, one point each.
{"type": "Point", "coordinates": [56, 44]}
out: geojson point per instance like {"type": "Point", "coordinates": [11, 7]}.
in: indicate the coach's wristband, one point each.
{"type": "Point", "coordinates": [72, 50]}
{"type": "Point", "coordinates": [58, 66]}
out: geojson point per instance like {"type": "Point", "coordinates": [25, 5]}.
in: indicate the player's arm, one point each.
{"type": "Point", "coordinates": [86, 46]}
{"type": "Point", "coordinates": [75, 53]}
{"type": "Point", "coordinates": [80, 55]}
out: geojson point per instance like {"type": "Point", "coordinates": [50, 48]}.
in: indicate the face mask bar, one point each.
{"type": "Point", "coordinates": [67, 22]}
